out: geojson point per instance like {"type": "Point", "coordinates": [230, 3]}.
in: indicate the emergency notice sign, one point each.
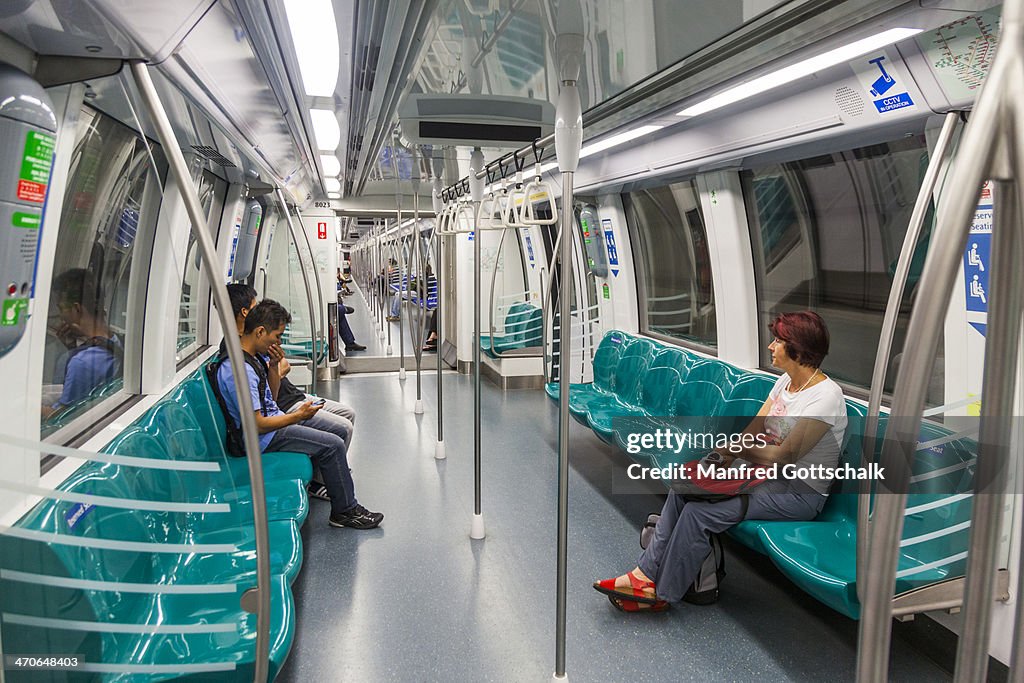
{"type": "Point", "coordinates": [35, 167]}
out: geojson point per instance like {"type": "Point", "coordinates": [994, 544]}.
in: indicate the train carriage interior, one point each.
{"type": "Point", "coordinates": [499, 267]}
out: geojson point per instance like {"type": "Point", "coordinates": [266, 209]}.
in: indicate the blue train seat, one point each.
{"type": "Point", "coordinates": [640, 385]}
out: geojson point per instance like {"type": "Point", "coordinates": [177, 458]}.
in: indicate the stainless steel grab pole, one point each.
{"type": "Point", "coordinates": [322, 305]}
{"type": "Point", "coordinates": [926, 323]}
{"type": "Point", "coordinates": [305, 283]}
{"type": "Point", "coordinates": [439, 448]}
{"type": "Point", "coordinates": [1006, 302]}
{"type": "Point", "coordinates": [247, 413]}
{"type": "Point", "coordinates": [564, 354]}
{"type": "Point", "coordinates": [892, 310]}
{"type": "Point", "coordinates": [494, 281]}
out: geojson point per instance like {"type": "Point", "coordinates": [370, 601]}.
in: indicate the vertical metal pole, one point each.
{"type": "Point", "coordinates": [322, 305]}
{"type": "Point", "coordinates": [926, 321]}
{"type": "Point", "coordinates": [477, 504]}
{"type": "Point", "coordinates": [245, 408]}
{"type": "Point", "coordinates": [305, 282]}
{"type": "Point", "coordinates": [385, 299]}
{"type": "Point", "coordinates": [476, 187]}
{"type": "Point", "coordinates": [421, 281]}
{"type": "Point", "coordinates": [990, 475]}
{"type": "Point", "coordinates": [564, 353]}
{"type": "Point", "coordinates": [402, 288]}
{"type": "Point", "coordinates": [439, 450]}
{"type": "Point", "coordinates": [892, 309]}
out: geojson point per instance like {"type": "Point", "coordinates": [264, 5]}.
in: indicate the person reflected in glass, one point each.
{"type": "Point", "coordinates": [96, 354]}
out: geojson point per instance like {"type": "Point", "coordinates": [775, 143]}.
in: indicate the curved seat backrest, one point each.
{"type": "Point", "coordinates": [606, 358]}
{"type": "Point", "coordinates": [698, 398]}
{"type": "Point", "coordinates": [533, 321]}
{"type": "Point", "coordinates": [630, 370]}
{"type": "Point", "coordinates": [658, 390]}
{"type": "Point", "coordinates": [752, 386]}
{"type": "Point", "coordinates": [714, 371]}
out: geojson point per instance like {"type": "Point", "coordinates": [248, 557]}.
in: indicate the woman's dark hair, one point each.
{"type": "Point", "coordinates": [267, 313]}
{"type": "Point", "coordinates": [805, 335]}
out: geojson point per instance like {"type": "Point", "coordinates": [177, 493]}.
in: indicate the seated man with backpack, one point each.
{"type": "Point", "coordinates": [803, 419]}
{"type": "Point", "coordinates": [289, 397]}
{"type": "Point", "coordinates": [300, 431]}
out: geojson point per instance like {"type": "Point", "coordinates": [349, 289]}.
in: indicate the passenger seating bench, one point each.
{"type": "Point", "coordinates": [637, 379]}
{"type": "Point", "coordinates": [187, 425]}
{"type": "Point", "coordinates": [522, 327]}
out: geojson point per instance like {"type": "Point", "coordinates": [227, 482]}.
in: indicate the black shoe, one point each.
{"type": "Point", "coordinates": [317, 489]}
{"type": "Point", "coordinates": [349, 310]}
{"type": "Point", "coordinates": [355, 347]}
{"type": "Point", "coordinates": [357, 518]}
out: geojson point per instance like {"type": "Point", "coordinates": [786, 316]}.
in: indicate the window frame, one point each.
{"type": "Point", "coordinates": [97, 416]}
{"type": "Point", "coordinates": [640, 264]}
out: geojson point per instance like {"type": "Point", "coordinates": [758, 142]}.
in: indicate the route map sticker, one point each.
{"type": "Point", "coordinates": [960, 53]}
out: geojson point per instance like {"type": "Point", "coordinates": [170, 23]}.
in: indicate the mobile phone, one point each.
{"type": "Point", "coordinates": [319, 401]}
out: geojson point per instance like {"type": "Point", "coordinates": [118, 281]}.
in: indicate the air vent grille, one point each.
{"type": "Point", "coordinates": [849, 101]}
{"type": "Point", "coordinates": [213, 155]}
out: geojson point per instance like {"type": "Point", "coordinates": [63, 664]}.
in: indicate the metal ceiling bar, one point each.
{"type": "Point", "coordinates": [254, 457]}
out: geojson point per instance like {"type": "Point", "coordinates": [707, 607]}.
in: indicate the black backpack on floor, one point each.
{"type": "Point", "coordinates": [704, 590]}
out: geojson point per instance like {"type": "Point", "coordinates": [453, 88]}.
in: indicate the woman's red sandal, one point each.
{"type": "Point", "coordinates": [634, 592]}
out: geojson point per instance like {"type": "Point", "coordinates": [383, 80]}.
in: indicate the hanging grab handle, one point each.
{"type": "Point", "coordinates": [512, 213]}
{"type": "Point", "coordinates": [538, 184]}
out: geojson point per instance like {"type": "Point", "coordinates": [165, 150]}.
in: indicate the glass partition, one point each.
{"type": "Point", "coordinates": [827, 233]}
{"type": "Point", "coordinates": [88, 310]}
{"type": "Point", "coordinates": [677, 296]}
{"type": "Point", "coordinates": [212, 191]}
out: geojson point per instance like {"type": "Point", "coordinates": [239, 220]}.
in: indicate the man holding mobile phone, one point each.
{"type": "Point", "coordinates": [302, 430]}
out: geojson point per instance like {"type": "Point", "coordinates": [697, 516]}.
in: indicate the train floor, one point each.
{"type": "Point", "coordinates": [417, 600]}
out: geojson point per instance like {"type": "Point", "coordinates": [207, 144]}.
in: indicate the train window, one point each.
{"type": "Point", "coordinates": [212, 191]}
{"type": "Point", "coordinates": [826, 235]}
{"type": "Point", "coordinates": [88, 321]}
{"type": "Point", "coordinates": [677, 298]}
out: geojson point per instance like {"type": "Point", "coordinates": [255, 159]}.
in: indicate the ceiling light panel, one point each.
{"type": "Point", "coordinates": [330, 164]}
{"type": "Point", "coordinates": [315, 37]}
{"type": "Point", "coordinates": [326, 129]}
{"type": "Point", "coordinates": [799, 70]}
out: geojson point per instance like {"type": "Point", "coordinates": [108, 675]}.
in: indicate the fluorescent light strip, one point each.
{"type": "Point", "coordinates": [315, 37]}
{"type": "Point", "coordinates": [326, 129]}
{"type": "Point", "coordinates": [334, 195]}
{"type": "Point", "coordinates": [330, 164]}
{"type": "Point", "coordinates": [800, 69]}
{"type": "Point", "coordinates": [332, 185]}
{"type": "Point", "coordinates": [615, 140]}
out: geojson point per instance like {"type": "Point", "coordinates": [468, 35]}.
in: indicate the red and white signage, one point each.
{"type": "Point", "coordinates": [321, 231]}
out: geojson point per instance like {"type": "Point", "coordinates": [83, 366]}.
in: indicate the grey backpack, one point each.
{"type": "Point", "coordinates": [704, 590]}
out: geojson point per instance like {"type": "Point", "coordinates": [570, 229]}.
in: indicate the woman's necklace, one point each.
{"type": "Point", "coordinates": [807, 382]}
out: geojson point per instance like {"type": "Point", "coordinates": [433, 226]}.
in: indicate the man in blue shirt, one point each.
{"type": "Point", "coordinates": [97, 359]}
{"type": "Point", "coordinates": [302, 430]}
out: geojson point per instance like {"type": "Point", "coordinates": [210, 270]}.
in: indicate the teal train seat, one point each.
{"type": "Point", "coordinates": [641, 385]}
{"type": "Point", "coordinates": [523, 330]}
{"type": "Point", "coordinates": [198, 580]}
